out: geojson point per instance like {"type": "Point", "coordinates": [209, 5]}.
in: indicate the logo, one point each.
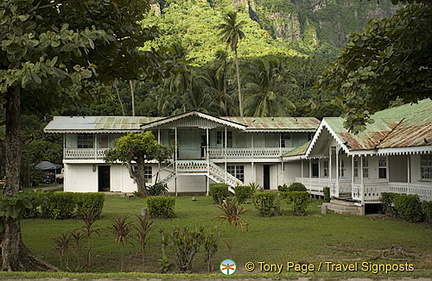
{"type": "Point", "coordinates": [228, 267]}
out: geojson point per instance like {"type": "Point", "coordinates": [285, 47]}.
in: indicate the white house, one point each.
{"type": "Point", "coordinates": [234, 150]}
{"type": "Point", "coordinates": [393, 154]}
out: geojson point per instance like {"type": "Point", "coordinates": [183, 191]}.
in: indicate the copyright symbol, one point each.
{"type": "Point", "coordinates": [249, 266]}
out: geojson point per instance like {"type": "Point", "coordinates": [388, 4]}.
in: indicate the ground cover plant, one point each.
{"type": "Point", "coordinates": [314, 238]}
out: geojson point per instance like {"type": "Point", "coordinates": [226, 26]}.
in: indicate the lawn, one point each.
{"type": "Point", "coordinates": [314, 238]}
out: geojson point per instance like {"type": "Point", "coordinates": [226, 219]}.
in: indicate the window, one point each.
{"type": "Point", "coordinates": [85, 141]}
{"type": "Point", "coordinates": [103, 141]}
{"type": "Point", "coordinates": [365, 167]}
{"type": "Point", "coordinates": [220, 139]}
{"type": "Point", "coordinates": [426, 166]}
{"type": "Point", "coordinates": [315, 168]}
{"type": "Point", "coordinates": [382, 167]}
{"type": "Point", "coordinates": [237, 171]}
{"type": "Point", "coordinates": [341, 168]}
{"type": "Point", "coordinates": [326, 168]}
{"type": "Point", "coordinates": [148, 174]}
{"type": "Point", "coordinates": [285, 139]}
{"type": "Point", "coordinates": [356, 163]}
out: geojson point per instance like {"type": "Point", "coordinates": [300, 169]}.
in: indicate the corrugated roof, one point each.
{"type": "Point", "coordinates": [408, 125]}
{"type": "Point", "coordinates": [96, 124]}
{"type": "Point", "coordinates": [301, 150]}
{"type": "Point", "coordinates": [277, 123]}
{"type": "Point", "coordinates": [113, 124]}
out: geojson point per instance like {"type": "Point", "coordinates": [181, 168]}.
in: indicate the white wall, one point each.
{"type": "Point", "coordinates": [80, 178]}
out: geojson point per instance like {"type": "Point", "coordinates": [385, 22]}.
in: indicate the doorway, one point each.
{"type": "Point", "coordinates": [104, 178]}
{"type": "Point", "coordinates": [266, 180]}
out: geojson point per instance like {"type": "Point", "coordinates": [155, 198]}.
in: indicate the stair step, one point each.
{"type": "Point", "coordinates": [342, 202]}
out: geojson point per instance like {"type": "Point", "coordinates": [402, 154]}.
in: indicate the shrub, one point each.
{"type": "Point", "coordinates": [219, 191]}
{"type": "Point", "coordinates": [266, 204]}
{"type": "Point", "coordinates": [427, 210]}
{"type": "Point", "coordinates": [59, 205]}
{"type": "Point", "coordinates": [388, 200]}
{"type": "Point", "coordinates": [326, 191]}
{"type": "Point", "coordinates": [300, 201]}
{"type": "Point", "coordinates": [157, 189]}
{"type": "Point", "coordinates": [283, 188]}
{"type": "Point", "coordinates": [297, 186]}
{"type": "Point", "coordinates": [409, 207]}
{"type": "Point", "coordinates": [185, 244]}
{"type": "Point", "coordinates": [242, 193]}
{"type": "Point", "coordinates": [93, 201]}
{"type": "Point", "coordinates": [161, 207]}
{"type": "Point", "coordinates": [255, 187]}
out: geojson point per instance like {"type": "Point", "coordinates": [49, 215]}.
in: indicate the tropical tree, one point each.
{"type": "Point", "coordinates": [268, 86]}
{"type": "Point", "coordinates": [135, 150]}
{"type": "Point", "coordinates": [391, 60]}
{"type": "Point", "coordinates": [231, 33]}
{"type": "Point", "coordinates": [54, 53]}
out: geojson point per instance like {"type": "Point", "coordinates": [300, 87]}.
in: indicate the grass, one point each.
{"type": "Point", "coordinates": [275, 240]}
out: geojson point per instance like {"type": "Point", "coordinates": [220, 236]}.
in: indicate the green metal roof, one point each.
{"type": "Point", "coordinates": [301, 150]}
{"type": "Point", "coordinates": [263, 124]}
{"type": "Point", "coordinates": [408, 125]}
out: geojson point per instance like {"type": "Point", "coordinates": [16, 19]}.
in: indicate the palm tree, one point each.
{"type": "Point", "coordinates": [231, 33]}
{"type": "Point", "coordinates": [268, 85]}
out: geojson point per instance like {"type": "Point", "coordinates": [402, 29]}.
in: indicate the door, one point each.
{"type": "Point", "coordinates": [104, 178]}
{"type": "Point", "coordinates": [189, 142]}
{"type": "Point", "coordinates": [266, 177]}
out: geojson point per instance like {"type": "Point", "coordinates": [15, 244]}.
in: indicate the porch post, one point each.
{"type": "Point", "coordinates": [310, 173]}
{"type": "Point", "coordinates": [159, 141]}
{"type": "Point", "coordinates": [352, 176]}
{"type": "Point", "coordinates": [208, 162]}
{"type": "Point", "coordinates": [408, 171]}
{"type": "Point", "coordinates": [226, 148]}
{"type": "Point", "coordinates": [330, 167]}
{"type": "Point", "coordinates": [253, 162]}
{"type": "Point", "coordinates": [301, 171]}
{"type": "Point", "coordinates": [362, 193]}
{"type": "Point", "coordinates": [337, 171]}
{"type": "Point", "coordinates": [175, 158]}
{"type": "Point", "coordinates": [95, 144]}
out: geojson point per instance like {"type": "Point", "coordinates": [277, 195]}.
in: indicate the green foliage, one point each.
{"type": "Point", "coordinates": [383, 64]}
{"type": "Point", "coordinates": [136, 149]}
{"type": "Point", "coordinates": [60, 205]}
{"type": "Point", "coordinates": [211, 245]}
{"type": "Point", "coordinates": [22, 205]}
{"type": "Point", "coordinates": [219, 191]}
{"type": "Point", "coordinates": [143, 227]}
{"type": "Point", "coordinates": [67, 205]}
{"type": "Point", "coordinates": [93, 201]}
{"type": "Point", "coordinates": [409, 207]}
{"type": "Point", "coordinates": [121, 228]}
{"type": "Point", "coordinates": [185, 244]}
{"type": "Point", "coordinates": [406, 206]}
{"type": "Point", "coordinates": [157, 189]}
{"type": "Point", "coordinates": [326, 191]}
{"type": "Point", "coordinates": [255, 187]}
{"type": "Point", "coordinates": [427, 210]}
{"type": "Point", "coordinates": [387, 199]}
{"type": "Point", "coordinates": [266, 203]}
{"type": "Point", "coordinates": [300, 201]}
{"type": "Point", "coordinates": [283, 187]}
{"type": "Point", "coordinates": [297, 186]}
{"type": "Point", "coordinates": [161, 207]}
{"type": "Point", "coordinates": [242, 193]}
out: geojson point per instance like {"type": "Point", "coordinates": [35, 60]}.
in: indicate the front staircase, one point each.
{"type": "Point", "coordinates": [201, 167]}
{"type": "Point", "coordinates": [345, 206]}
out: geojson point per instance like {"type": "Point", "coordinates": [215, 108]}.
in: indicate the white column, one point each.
{"type": "Point", "coordinates": [301, 171]}
{"type": "Point", "coordinates": [226, 148]}
{"type": "Point", "coordinates": [408, 171]}
{"type": "Point", "coordinates": [95, 144]}
{"type": "Point", "coordinates": [337, 172]}
{"type": "Point", "coordinates": [253, 162]}
{"type": "Point", "coordinates": [175, 159]}
{"type": "Point", "coordinates": [362, 193]}
{"type": "Point", "coordinates": [352, 176]}
{"type": "Point", "coordinates": [208, 162]}
{"type": "Point", "coordinates": [331, 167]}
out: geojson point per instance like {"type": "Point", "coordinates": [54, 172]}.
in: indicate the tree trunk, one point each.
{"type": "Point", "coordinates": [138, 176]}
{"type": "Point", "coordinates": [15, 256]}
{"type": "Point", "coordinates": [240, 97]}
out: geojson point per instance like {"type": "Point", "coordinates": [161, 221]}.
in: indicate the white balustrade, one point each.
{"type": "Point", "coordinates": [84, 153]}
{"type": "Point", "coordinates": [218, 153]}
